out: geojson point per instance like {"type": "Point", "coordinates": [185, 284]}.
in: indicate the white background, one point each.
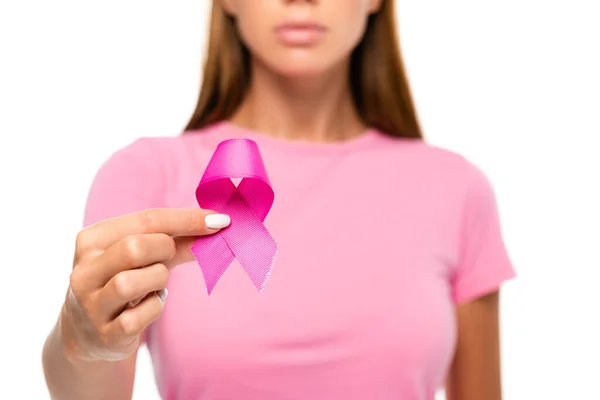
{"type": "Point", "coordinates": [513, 85]}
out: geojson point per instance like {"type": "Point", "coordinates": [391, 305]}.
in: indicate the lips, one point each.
{"type": "Point", "coordinates": [300, 34]}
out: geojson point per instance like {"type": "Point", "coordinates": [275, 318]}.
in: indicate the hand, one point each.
{"type": "Point", "coordinates": [121, 267]}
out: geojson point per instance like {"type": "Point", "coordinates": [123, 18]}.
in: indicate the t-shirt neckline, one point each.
{"type": "Point", "coordinates": [227, 130]}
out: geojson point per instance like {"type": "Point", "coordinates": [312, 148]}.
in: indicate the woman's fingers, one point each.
{"type": "Point", "coordinates": [182, 251]}
{"type": "Point", "coordinates": [122, 259]}
{"type": "Point", "coordinates": [130, 286]}
{"type": "Point", "coordinates": [170, 221]}
{"type": "Point", "coordinates": [132, 321]}
{"type": "Point", "coordinates": [130, 252]}
{"type": "Point", "coordinates": [139, 251]}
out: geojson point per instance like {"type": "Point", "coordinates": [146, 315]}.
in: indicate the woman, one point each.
{"type": "Point", "coordinates": [391, 257]}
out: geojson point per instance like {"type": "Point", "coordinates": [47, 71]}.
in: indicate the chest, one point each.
{"type": "Point", "coordinates": [354, 281]}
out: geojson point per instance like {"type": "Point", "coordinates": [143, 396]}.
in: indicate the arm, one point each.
{"type": "Point", "coordinates": [127, 182]}
{"type": "Point", "coordinates": [78, 379]}
{"type": "Point", "coordinates": [475, 370]}
{"type": "Point", "coordinates": [483, 266]}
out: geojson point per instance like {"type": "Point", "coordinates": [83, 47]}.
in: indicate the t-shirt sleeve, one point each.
{"type": "Point", "coordinates": [484, 263]}
{"type": "Point", "coordinates": [130, 180]}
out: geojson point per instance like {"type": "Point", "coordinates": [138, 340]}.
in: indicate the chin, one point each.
{"type": "Point", "coordinates": [296, 72]}
{"type": "Point", "coordinates": [293, 68]}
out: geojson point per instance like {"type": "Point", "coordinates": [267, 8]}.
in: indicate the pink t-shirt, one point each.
{"type": "Point", "coordinates": [378, 239]}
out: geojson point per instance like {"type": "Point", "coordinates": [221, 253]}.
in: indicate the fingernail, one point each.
{"type": "Point", "coordinates": [162, 293]}
{"type": "Point", "coordinates": [136, 302]}
{"type": "Point", "coordinates": [217, 221]}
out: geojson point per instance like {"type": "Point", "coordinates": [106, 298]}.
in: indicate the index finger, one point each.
{"type": "Point", "coordinates": [171, 221]}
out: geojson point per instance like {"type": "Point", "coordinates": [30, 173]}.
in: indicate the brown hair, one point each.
{"type": "Point", "coordinates": [378, 78]}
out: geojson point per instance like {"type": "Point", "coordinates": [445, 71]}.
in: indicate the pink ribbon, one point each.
{"type": "Point", "coordinates": [246, 239]}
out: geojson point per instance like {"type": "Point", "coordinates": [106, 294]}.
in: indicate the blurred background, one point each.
{"type": "Point", "coordinates": [513, 85]}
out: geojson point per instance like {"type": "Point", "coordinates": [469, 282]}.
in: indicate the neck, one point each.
{"type": "Point", "coordinates": [314, 108]}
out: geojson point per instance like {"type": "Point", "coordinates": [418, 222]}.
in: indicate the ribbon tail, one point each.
{"type": "Point", "coordinates": [249, 241]}
{"type": "Point", "coordinates": [259, 270]}
{"type": "Point", "coordinates": [257, 255]}
{"type": "Point", "coordinates": [204, 249]}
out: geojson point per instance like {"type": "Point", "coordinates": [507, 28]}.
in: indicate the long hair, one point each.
{"type": "Point", "coordinates": [378, 80]}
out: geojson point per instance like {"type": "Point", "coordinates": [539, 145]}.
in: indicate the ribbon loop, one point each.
{"type": "Point", "coordinates": [248, 204]}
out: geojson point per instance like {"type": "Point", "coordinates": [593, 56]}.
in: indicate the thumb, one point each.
{"type": "Point", "coordinates": [183, 253]}
{"type": "Point", "coordinates": [214, 223]}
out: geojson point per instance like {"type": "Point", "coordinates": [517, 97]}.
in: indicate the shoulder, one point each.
{"type": "Point", "coordinates": [166, 152]}
{"type": "Point", "coordinates": [150, 149]}
{"type": "Point", "coordinates": [430, 163]}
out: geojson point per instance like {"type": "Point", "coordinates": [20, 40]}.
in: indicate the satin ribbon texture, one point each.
{"type": "Point", "coordinates": [246, 239]}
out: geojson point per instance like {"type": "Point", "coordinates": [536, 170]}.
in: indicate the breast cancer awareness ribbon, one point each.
{"type": "Point", "coordinates": [246, 239]}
